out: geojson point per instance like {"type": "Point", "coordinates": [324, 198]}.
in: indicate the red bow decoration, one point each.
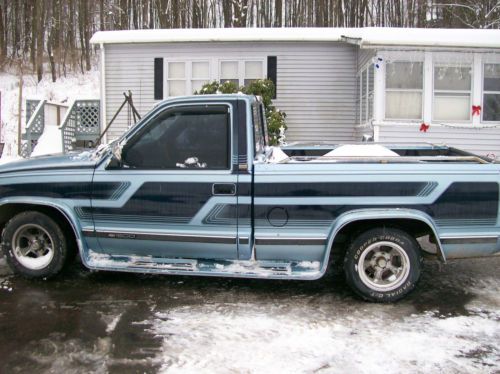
{"type": "Point", "coordinates": [476, 110]}
{"type": "Point", "coordinates": [424, 127]}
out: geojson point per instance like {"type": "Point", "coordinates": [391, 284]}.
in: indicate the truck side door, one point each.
{"type": "Point", "coordinates": [176, 172]}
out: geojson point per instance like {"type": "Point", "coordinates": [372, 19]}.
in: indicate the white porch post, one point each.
{"type": "Point", "coordinates": [428, 88]}
{"type": "Point", "coordinates": [103, 93]}
{"type": "Point", "coordinates": [477, 77]}
{"type": "Point", "coordinates": [379, 97]}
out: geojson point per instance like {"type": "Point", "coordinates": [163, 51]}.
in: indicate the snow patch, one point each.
{"type": "Point", "coordinates": [276, 155]}
{"type": "Point", "coordinates": [111, 321]}
{"type": "Point", "coordinates": [249, 267]}
{"type": "Point", "coordinates": [258, 339]}
{"type": "Point", "coordinates": [105, 260]}
{"type": "Point", "coordinates": [361, 150]}
{"type": "Point", "coordinates": [5, 284]}
{"type": "Point", "coordinates": [309, 265]}
{"type": "Point", "coordinates": [49, 143]}
{"type": "Point", "coordinates": [64, 355]}
{"type": "Point", "coordinates": [6, 159]}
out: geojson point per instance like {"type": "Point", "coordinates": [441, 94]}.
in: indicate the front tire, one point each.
{"type": "Point", "coordinates": [383, 264]}
{"type": "Point", "coordinates": [34, 245]}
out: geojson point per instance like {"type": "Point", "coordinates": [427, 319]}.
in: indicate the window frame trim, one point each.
{"type": "Point", "coordinates": [227, 171]}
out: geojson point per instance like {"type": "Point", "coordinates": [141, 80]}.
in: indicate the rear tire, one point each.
{"type": "Point", "coordinates": [34, 245]}
{"type": "Point", "coordinates": [383, 264]}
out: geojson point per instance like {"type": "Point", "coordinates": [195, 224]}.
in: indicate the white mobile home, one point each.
{"type": "Point", "coordinates": [398, 85]}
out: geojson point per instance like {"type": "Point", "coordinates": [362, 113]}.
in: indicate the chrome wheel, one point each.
{"type": "Point", "coordinates": [383, 266]}
{"type": "Point", "coordinates": [33, 246]}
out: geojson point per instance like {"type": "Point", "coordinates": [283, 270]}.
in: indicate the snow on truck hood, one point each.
{"type": "Point", "coordinates": [82, 160]}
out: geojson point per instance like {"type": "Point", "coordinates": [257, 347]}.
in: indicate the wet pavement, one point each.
{"type": "Point", "coordinates": [103, 322]}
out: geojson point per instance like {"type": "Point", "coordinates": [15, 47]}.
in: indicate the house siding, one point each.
{"type": "Point", "coordinates": [482, 141]}
{"type": "Point", "coordinates": [316, 82]}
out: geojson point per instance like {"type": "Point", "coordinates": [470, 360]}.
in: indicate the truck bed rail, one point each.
{"type": "Point", "coordinates": [384, 159]}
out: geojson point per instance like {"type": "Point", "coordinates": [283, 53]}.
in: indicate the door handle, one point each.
{"type": "Point", "coordinates": [223, 189]}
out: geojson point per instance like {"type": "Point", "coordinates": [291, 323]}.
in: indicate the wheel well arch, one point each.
{"type": "Point", "coordinates": [9, 210]}
{"type": "Point", "coordinates": [344, 233]}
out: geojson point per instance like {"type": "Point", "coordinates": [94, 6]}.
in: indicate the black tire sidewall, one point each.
{"type": "Point", "coordinates": [405, 241]}
{"type": "Point", "coordinates": [55, 232]}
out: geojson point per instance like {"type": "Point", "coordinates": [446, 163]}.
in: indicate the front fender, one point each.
{"type": "Point", "coordinates": [380, 214]}
{"type": "Point", "coordinates": [57, 204]}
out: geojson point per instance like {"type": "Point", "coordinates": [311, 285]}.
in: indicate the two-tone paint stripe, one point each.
{"type": "Point", "coordinates": [207, 239]}
{"type": "Point", "coordinates": [181, 238]}
{"type": "Point", "coordinates": [465, 240]}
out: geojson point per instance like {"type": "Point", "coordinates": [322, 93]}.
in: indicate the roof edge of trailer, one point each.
{"type": "Point", "coordinates": [368, 37]}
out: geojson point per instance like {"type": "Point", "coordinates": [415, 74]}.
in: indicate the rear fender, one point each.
{"type": "Point", "coordinates": [380, 214]}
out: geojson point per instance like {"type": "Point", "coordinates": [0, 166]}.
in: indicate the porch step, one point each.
{"type": "Point", "coordinates": [223, 268]}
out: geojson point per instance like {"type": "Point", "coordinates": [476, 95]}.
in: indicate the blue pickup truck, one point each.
{"type": "Point", "coordinates": [195, 189]}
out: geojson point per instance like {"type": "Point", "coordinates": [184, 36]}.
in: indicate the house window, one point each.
{"type": "Point", "coordinates": [200, 74]}
{"type": "Point", "coordinates": [404, 90]}
{"type": "Point", "coordinates": [229, 72]}
{"type": "Point", "coordinates": [366, 86]}
{"type": "Point", "coordinates": [176, 78]}
{"type": "Point", "coordinates": [491, 92]}
{"type": "Point", "coordinates": [452, 93]}
{"type": "Point", "coordinates": [253, 71]}
{"type": "Point", "coordinates": [186, 77]}
{"type": "Point", "coordinates": [241, 72]}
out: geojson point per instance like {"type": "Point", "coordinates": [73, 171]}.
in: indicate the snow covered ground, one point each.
{"type": "Point", "coordinates": [239, 337]}
{"type": "Point", "coordinates": [110, 322]}
{"type": "Point", "coordinates": [244, 338]}
{"type": "Point", "coordinates": [65, 89]}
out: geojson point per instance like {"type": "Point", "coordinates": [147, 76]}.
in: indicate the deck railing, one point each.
{"type": "Point", "coordinates": [80, 123]}
{"type": "Point", "coordinates": [35, 113]}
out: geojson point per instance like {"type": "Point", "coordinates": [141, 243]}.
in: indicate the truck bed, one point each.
{"type": "Point", "coordinates": [403, 153]}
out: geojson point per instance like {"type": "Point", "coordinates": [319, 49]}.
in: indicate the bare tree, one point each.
{"type": "Point", "coordinates": [58, 31]}
{"type": "Point", "coordinates": [483, 14]}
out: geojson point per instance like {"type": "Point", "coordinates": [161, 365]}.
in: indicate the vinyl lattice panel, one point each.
{"type": "Point", "coordinates": [87, 117]}
{"type": "Point", "coordinates": [69, 131]}
{"type": "Point", "coordinates": [37, 125]}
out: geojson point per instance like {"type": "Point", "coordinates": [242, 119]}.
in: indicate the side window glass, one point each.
{"type": "Point", "coordinates": [195, 137]}
{"type": "Point", "coordinates": [259, 135]}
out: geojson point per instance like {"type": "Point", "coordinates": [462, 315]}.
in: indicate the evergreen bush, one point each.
{"type": "Point", "coordinates": [276, 124]}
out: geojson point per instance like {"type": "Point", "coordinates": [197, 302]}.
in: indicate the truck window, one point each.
{"type": "Point", "coordinates": [194, 137]}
